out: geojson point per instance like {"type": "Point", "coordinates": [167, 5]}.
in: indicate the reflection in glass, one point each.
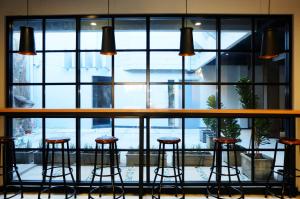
{"type": "Point", "coordinates": [201, 67]}
{"type": "Point", "coordinates": [236, 33]}
{"type": "Point", "coordinates": [165, 33]}
{"type": "Point", "coordinates": [95, 67]}
{"type": "Point", "coordinates": [91, 33]}
{"type": "Point", "coordinates": [198, 96]}
{"type": "Point", "coordinates": [165, 67]}
{"type": "Point", "coordinates": [130, 96]}
{"type": "Point", "coordinates": [235, 66]}
{"type": "Point", "coordinates": [165, 96]}
{"type": "Point", "coordinates": [130, 33]}
{"type": "Point", "coordinates": [27, 69]}
{"type": "Point", "coordinates": [62, 96]}
{"type": "Point", "coordinates": [272, 71]}
{"type": "Point", "coordinates": [95, 96]}
{"type": "Point", "coordinates": [27, 96]}
{"type": "Point", "coordinates": [130, 67]}
{"type": "Point", "coordinates": [60, 67]}
{"type": "Point", "coordinates": [271, 97]}
{"type": "Point", "coordinates": [60, 34]}
{"type": "Point", "coordinates": [230, 98]}
{"type": "Point", "coordinates": [204, 32]}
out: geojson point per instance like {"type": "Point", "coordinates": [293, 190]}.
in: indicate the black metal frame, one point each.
{"type": "Point", "coordinates": [77, 83]}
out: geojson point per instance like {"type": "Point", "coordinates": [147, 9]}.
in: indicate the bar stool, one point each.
{"type": "Point", "coordinates": [57, 170]}
{"type": "Point", "coordinates": [7, 148]}
{"type": "Point", "coordinates": [114, 168]}
{"type": "Point", "coordinates": [161, 167]}
{"type": "Point", "coordinates": [287, 174]}
{"type": "Point", "coordinates": [217, 169]}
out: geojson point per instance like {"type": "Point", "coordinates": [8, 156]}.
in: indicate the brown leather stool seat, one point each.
{"type": "Point", "coordinates": [106, 139]}
{"type": "Point", "coordinates": [57, 140]}
{"type": "Point", "coordinates": [168, 140]}
{"type": "Point", "coordinates": [226, 140]}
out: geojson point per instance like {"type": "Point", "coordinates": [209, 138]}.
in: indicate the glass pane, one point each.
{"type": "Point", "coordinates": [165, 33]}
{"type": "Point", "coordinates": [235, 66]}
{"type": "Point", "coordinates": [202, 67]}
{"type": "Point", "coordinates": [130, 96]}
{"type": "Point", "coordinates": [60, 67]}
{"type": "Point", "coordinates": [92, 128]}
{"type": "Point", "coordinates": [199, 96]}
{"type": "Point", "coordinates": [127, 130]}
{"type": "Point", "coordinates": [165, 67]}
{"type": "Point", "coordinates": [272, 71]}
{"type": "Point", "coordinates": [271, 97]}
{"type": "Point", "coordinates": [27, 97]}
{"type": "Point", "coordinates": [165, 96]}
{"type": "Point", "coordinates": [60, 34]}
{"type": "Point", "coordinates": [280, 25]}
{"type": "Point", "coordinates": [236, 33]}
{"type": "Point", "coordinates": [61, 96]}
{"type": "Point", "coordinates": [36, 24]}
{"type": "Point", "coordinates": [95, 67]}
{"type": "Point", "coordinates": [95, 96]}
{"type": "Point", "coordinates": [204, 32]}
{"type": "Point", "coordinates": [130, 67]}
{"type": "Point", "coordinates": [91, 33]}
{"type": "Point", "coordinates": [27, 69]}
{"type": "Point", "coordinates": [28, 134]}
{"type": "Point", "coordinates": [130, 33]}
{"type": "Point", "coordinates": [230, 98]}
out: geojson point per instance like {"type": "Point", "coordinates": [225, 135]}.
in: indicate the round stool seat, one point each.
{"type": "Point", "coordinates": [223, 140]}
{"type": "Point", "coordinates": [106, 139]}
{"type": "Point", "coordinates": [168, 140]}
{"type": "Point", "coordinates": [57, 140]}
{"type": "Point", "coordinates": [289, 141]}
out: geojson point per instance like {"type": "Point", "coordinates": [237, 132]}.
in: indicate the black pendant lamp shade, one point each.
{"type": "Point", "coordinates": [108, 41]}
{"type": "Point", "coordinates": [27, 43]}
{"type": "Point", "coordinates": [186, 42]}
{"type": "Point", "coordinates": [269, 45]}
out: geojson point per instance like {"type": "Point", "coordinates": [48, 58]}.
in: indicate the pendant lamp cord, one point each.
{"type": "Point", "coordinates": [185, 13]}
{"type": "Point", "coordinates": [269, 7]}
{"type": "Point", "coordinates": [27, 8]}
{"type": "Point", "coordinates": [108, 12]}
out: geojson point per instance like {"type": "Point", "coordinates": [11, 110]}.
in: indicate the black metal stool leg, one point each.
{"type": "Point", "coordinates": [119, 170]}
{"type": "Point", "coordinates": [70, 169]}
{"type": "Point", "coordinates": [156, 172]}
{"type": "Point", "coordinates": [237, 171]}
{"type": "Point", "coordinates": [94, 170]}
{"type": "Point", "coordinates": [228, 166]}
{"type": "Point", "coordinates": [101, 168]}
{"type": "Point", "coordinates": [162, 170]}
{"type": "Point", "coordinates": [211, 169]}
{"type": "Point", "coordinates": [63, 169]}
{"type": "Point", "coordinates": [174, 168]}
{"type": "Point", "coordinates": [44, 172]}
{"type": "Point", "coordinates": [14, 162]}
{"type": "Point", "coordinates": [51, 169]}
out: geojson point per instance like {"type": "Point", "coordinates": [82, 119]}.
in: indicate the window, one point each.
{"type": "Point", "coordinates": [69, 72]}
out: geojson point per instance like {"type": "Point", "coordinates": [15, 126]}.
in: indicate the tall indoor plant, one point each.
{"type": "Point", "coordinates": [259, 136]}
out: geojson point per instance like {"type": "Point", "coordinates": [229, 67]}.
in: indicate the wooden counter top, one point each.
{"type": "Point", "coordinates": [95, 112]}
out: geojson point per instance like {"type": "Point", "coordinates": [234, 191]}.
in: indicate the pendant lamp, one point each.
{"type": "Point", "coordinates": [27, 43]}
{"type": "Point", "coordinates": [108, 38]}
{"type": "Point", "coordinates": [186, 38]}
{"type": "Point", "coordinates": [269, 46]}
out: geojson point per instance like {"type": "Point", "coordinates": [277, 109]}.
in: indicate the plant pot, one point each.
{"type": "Point", "coordinates": [231, 156]}
{"type": "Point", "coordinates": [132, 158]}
{"type": "Point", "coordinates": [24, 157]}
{"type": "Point", "coordinates": [38, 157]}
{"type": "Point", "coordinates": [262, 166]}
{"type": "Point", "coordinates": [196, 158]}
{"type": "Point", "coordinates": [88, 158]}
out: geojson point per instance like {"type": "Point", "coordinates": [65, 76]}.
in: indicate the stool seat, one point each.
{"type": "Point", "coordinates": [289, 141]}
{"type": "Point", "coordinates": [106, 139]}
{"type": "Point", "coordinates": [226, 140]}
{"type": "Point", "coordinates": [168, 140]}
{"type": "Point", "coordinates": [57, 140]}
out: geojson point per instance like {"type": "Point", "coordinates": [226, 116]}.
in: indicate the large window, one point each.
{"type": "Point", "coordinates": [147, 72]}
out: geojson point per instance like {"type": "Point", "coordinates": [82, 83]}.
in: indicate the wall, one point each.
{"type": "Point", "coordinates": [69, 7]}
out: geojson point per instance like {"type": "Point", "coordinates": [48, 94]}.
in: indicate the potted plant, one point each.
{"type": "Point", "coordinates": [211, 123]}
{"type": "Point", "coordinates": [262, 162]}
